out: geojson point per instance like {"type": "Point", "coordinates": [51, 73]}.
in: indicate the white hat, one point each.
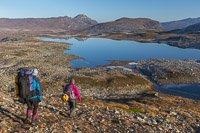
{"type": "Point", "coordinates": [35, 72]}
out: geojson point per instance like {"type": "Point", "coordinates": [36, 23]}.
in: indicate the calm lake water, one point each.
{"type": "Point", "coordinates": [96, 51]}
{"type": "Point", "coordinates": [191, 91]}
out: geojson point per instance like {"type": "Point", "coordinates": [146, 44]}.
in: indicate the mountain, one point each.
{"type": "Point", "coordinates": [180, 24]}
{"type": "Point", "coordinates": [193, 29]}
{"type": "Point", "coordinates": [185, 38]}
{"type": "Point", "coordinates": [126, 25]}
{"type": "Point", "coordinates": [54, 24]}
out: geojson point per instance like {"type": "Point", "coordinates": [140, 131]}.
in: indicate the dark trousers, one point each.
{"type": "Point", "coordinates": [32, 105]}
{"type": "Point", "coordinates": [72, 105]}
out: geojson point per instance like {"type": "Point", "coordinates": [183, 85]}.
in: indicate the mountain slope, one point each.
{"type": "Point", "coordinates": [54, 24]}
{"type": "Point", "coordinates": [125, 25]}
{"type": "Point", "coordinates": [180, 24]}
{"type": "Point", "coordinates": [193, 29]}
{"type": "Point", "coordinates": [160, 114]}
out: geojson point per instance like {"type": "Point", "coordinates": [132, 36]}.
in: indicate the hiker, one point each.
{"type": "Point", "coordinates": [34, 100]}
{"type": "Point", "coordinates": [72, 91]}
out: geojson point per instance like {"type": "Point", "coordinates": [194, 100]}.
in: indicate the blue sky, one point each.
{"type": "Point", "coordinates": [102, 10]}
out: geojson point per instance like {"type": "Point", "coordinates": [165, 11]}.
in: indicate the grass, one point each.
{"type": "Point", "coordinates": [111, 104]}
{"type": "Point", "coordinates": [135, 110]}
{"type": "Point", "coordinates": [113, 81]}
{"type": "Point", "coordinates": [148, 91]}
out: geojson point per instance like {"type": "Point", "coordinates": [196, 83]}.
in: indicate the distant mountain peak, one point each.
{"type": "Point", "coordinates": [81, 16]}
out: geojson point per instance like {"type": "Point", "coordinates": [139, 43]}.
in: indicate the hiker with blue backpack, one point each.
{"type": "Point", "coordinates": [28, 88]}
{"type": "Point", "coordinates": [70, 93]}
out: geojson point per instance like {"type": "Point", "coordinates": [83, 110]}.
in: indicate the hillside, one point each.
{"type": "Point", "coordinates": [180, 24]}
{"type": "Point", "coordinates": [145, 114]}
{"type": "Point", "coordinates": [126, 25]}
{"type": "Point", "coordinates": [193, 29]}
{"type": "Point", "coordinates": [46, 25]}
{"type": "Point", "coordinates": [186, 38]}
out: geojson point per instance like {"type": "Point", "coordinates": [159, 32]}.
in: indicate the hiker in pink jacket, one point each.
{"type": "Point", "coordinates": [72, 91]}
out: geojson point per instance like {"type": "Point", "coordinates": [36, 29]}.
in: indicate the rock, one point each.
{"type": "Point", "coordinates": [41, 125]}
{"type": "Point", "coordinates": [116, 111]}
{"type": "Point", "coordinates": [6, 98]}
{"type": "Point", "coordinates": [3, 130]}
{"type": "Point", "coordinates": [78, 131]}
{"type": "Point", "coordinates": [173, 113]}
{"type": "Point", "coordinates": [3, 123]}
{"type": "Point", "coordinates": [107, 109]}
{"type": "Point", "coordinates": [8, 39]}
{"type": "Point", "coordinates": [67, 130]}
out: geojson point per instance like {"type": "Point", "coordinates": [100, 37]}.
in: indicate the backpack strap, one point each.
{"type": "Point", "coordinates": [73, 88]}
{"type": "Point", "coordinates": [34, 84]}
{"type": "Point", "coordinates": [74, 95]}
{"type": "Point", "coordinates": [36, 88]}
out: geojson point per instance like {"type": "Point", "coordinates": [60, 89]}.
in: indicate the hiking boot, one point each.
{"type": "Point", "coordinates": [27, 120]}
{"type": "Point", "coordinates": [35, 122]}
{"type": "Point", "coordinates": [71, 115]}
{"type": "Point", "coordinates": [73, 112]}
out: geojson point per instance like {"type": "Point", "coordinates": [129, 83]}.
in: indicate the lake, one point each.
{"type": "Point", "coordinates": [97, 51]}
{"type": "Point", "coordinates": [191, 91]}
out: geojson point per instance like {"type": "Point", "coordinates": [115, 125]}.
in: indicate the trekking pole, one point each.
{"type": "Point", "coordinates": [63, 105]}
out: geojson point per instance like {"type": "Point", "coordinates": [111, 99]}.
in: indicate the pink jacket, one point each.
{"type": "Point", "coordinates": [76, 92]}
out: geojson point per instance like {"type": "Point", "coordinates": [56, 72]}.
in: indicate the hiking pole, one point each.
{"type": "Point", "coordinates": [64, 107]}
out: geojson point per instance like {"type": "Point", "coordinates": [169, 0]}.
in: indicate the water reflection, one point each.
{"type": "Point", "coordinates": [81, 39]}
{"type": "Point", "coordinates": [96, 51]}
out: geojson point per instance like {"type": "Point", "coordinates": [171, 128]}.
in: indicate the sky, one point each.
{"type": "Point", "coordinates": [102, 10]}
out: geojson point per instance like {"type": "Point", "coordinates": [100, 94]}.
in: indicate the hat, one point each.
{"type": "Point", "coordinates": [72, 80]}
{"type": "Point", "coordinates": [34, 72]}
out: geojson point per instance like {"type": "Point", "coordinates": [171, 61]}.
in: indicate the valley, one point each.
{"type": "Point", "coordinates": [113, 100]}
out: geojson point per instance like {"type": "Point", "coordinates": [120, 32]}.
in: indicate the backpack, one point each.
{"type": "Point", "coordinates": [69, 91]}
{"type": "Point", "coordinates": [25, 84]}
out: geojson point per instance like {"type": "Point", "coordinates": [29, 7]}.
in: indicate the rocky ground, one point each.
{"type": "Point", "coordinates": [126, 102]}
{"type": "Point", "coordinates": [145, 114]}
{"type": "Point", "coordinates": [165, 71]}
